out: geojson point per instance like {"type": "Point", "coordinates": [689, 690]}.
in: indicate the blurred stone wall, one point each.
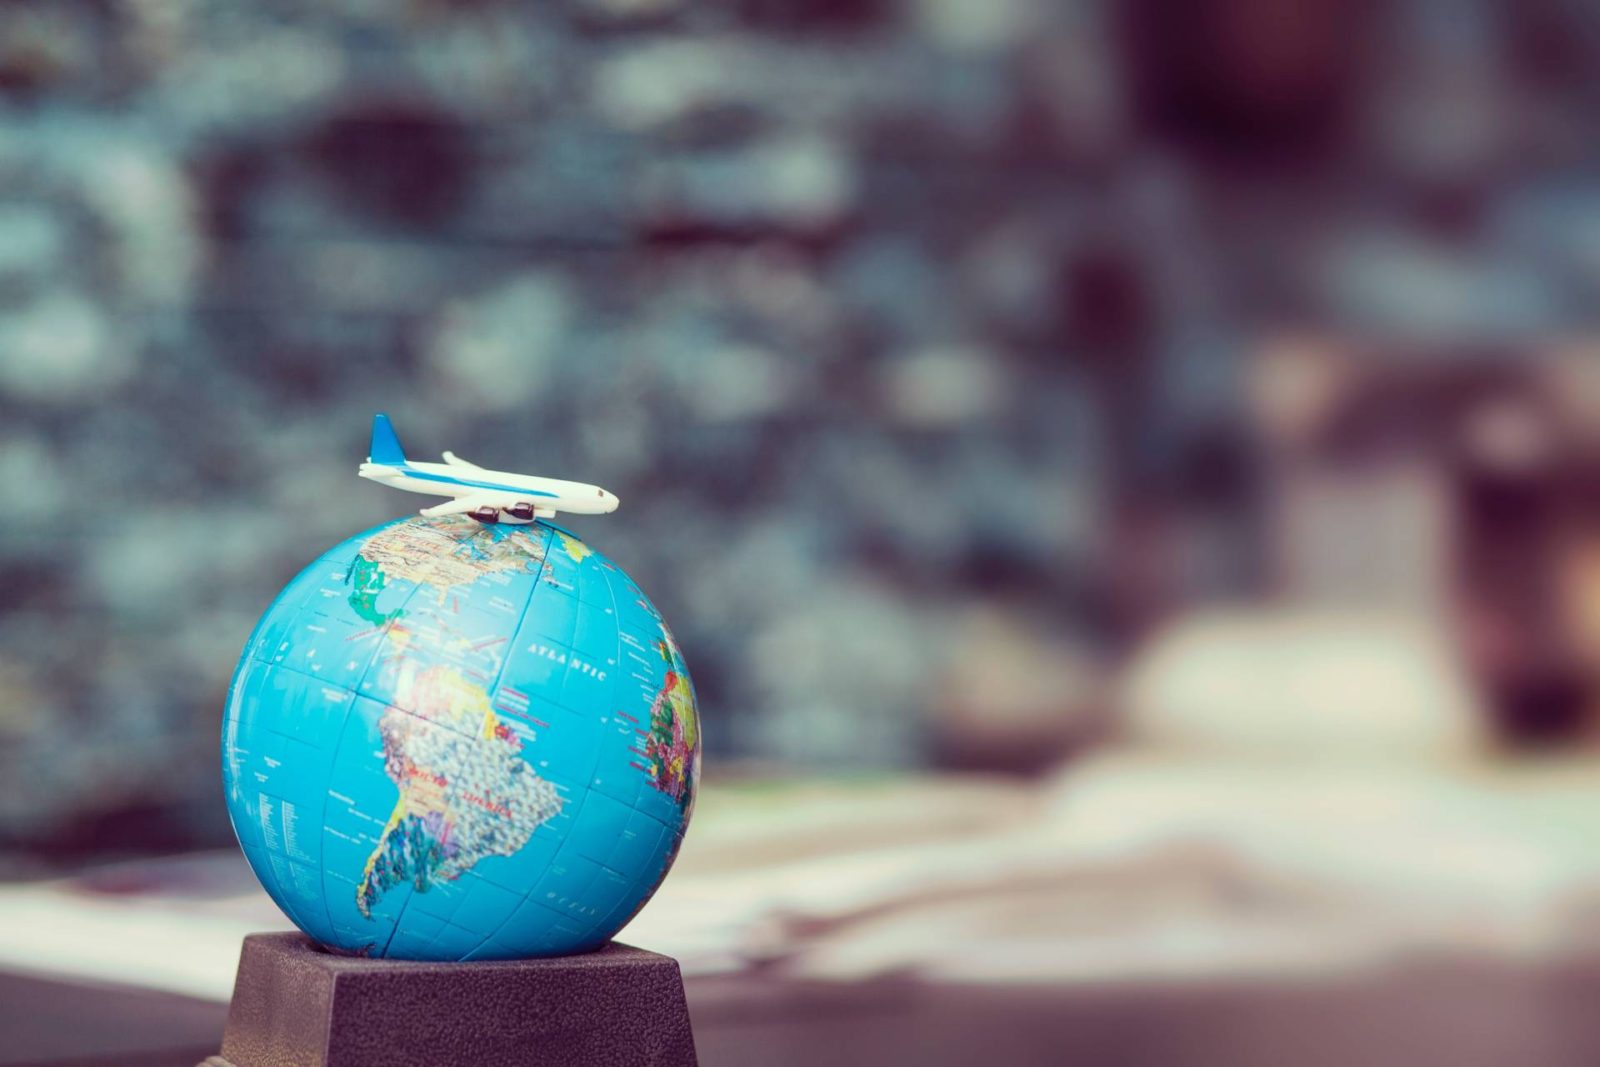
{"type": "Point", "coordinates": [890, 321]}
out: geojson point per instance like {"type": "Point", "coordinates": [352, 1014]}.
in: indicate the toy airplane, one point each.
{"type": "Point", "coordinates": [485, 495]}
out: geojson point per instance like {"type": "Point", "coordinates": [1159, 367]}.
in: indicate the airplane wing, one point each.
{"type": "Point", "coordinates": [471, 502]}
{"type": "Point", "coordinates": [456, 461]}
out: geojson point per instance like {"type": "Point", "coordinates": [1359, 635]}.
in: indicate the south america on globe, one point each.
{"type": "Point", "coordinates": [451, 739]}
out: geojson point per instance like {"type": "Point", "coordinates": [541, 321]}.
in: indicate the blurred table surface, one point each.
{"type": "Point", "coordinates": [1440, 1016]}
{"type": "Point", "coordinates": [1135, 911]}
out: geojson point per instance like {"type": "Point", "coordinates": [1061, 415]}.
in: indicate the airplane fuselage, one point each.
{"type": "Point", "coordinates": [476, 492]}
{"type": "Point", "coordinates": [442, 479]}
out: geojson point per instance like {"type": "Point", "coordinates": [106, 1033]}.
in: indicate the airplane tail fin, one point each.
{"type": "Point", "coordinates": [385, 446]}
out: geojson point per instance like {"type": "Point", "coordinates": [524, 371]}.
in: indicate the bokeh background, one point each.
{"type": "Point", "coordinates": [1123, 476]}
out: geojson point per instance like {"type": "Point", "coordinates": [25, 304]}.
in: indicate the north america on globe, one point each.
{"type": "Point", "coordinates": [450, 739]}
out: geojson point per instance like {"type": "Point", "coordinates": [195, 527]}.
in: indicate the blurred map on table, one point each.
{"type": "Point", "coordinates": [1131, 868]}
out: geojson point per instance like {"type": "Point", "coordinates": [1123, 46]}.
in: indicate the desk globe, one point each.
{"type": "Point", "coordinates": [447, 740]}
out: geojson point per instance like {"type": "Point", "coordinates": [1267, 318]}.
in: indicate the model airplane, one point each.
{"type": "Point", "coordinates": [485, 495]}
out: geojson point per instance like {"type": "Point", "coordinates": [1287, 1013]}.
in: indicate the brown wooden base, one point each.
{"type": "Point", "coordinates": [296, 1005]}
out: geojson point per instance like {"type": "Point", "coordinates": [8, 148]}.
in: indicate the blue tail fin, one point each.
{"type": "Point", "coordinates": [385, 446]}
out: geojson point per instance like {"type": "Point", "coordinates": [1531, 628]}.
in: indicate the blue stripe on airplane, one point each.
{"type": "Point", "coordinates": [410, 472]}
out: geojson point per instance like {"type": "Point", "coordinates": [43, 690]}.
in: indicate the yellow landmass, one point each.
{"type": "Point", "coordinates": [444, 695]}
{"type": "Point", "coordinates": [574, 547]}
{"type": "Point", "coordinates": [683, 709]}
{"type": "Point", "coordinates": [681, 696]}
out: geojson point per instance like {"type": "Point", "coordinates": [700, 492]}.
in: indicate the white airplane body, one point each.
{"type": "Point", "coordinates": [483, 494]}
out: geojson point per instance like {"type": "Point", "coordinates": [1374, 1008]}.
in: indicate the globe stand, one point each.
{"type": "Point", "coordinates": [296, 1004]}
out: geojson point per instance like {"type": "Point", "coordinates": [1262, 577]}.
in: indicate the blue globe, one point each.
{"type": "Point", "coordinates": [452, 741]}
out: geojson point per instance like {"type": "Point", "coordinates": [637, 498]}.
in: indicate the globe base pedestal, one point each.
{"type": "Point", "coordinates": [295, 1004]}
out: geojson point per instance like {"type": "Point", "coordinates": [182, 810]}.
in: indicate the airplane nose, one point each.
{"type": "Point", "coordinates": [611, 502]}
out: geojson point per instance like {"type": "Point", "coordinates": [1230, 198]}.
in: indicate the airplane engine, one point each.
{"type": "Point", "coordinates": [521, 510]}
{"type": "Point", "coordinates": [485, 514]}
